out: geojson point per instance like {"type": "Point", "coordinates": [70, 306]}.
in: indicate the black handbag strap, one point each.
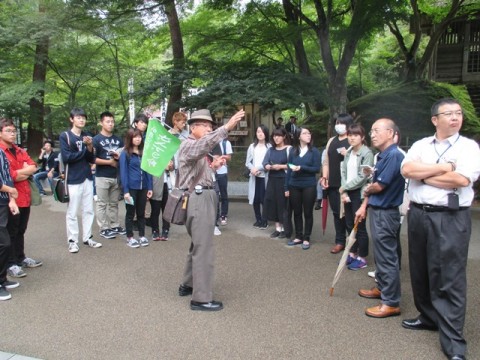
{"type": "Point", "coordinates": [66, 166]}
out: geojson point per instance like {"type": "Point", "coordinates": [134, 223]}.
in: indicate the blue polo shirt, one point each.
{"type": "Point", "coordinates": [387, 173]}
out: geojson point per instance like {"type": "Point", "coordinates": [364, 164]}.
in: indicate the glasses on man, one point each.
{"type": "Point", "coordinates": [449, 114]}
{"type": "Point", "coordinates": [10, 131]}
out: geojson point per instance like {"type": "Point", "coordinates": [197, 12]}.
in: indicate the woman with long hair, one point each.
{"type": "Point", "coordinates": [357, 157]}
{"type": "Point", "coordinates": [137, 186]}
{"type": "Point", "coordinates": [258, 177]}
{"type": "Point", "coordinates": [275, 162]}
{"type": "Point", "coordinates": [300, 185]}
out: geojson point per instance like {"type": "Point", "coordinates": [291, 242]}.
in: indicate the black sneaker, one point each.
{"type": "Point", "coordinates": [275, 234]}
{"type": "Point", "coordinates": [107, 234]}
{"type": "Point", "coordinates": [263, 225]}
{"type": "Point", "coordinates": [257, 224]}
{"type": "Point", "coordinates": [118, 230]}
{"type": "Point", "coordinates": [164, 236]}
{"type": "Point", "coordinates": [282, 235]}
{"type": "Point", "coordinates": [10, 284]}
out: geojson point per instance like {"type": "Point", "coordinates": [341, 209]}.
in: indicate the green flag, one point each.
{"type": "Point", "coordinates": [160, 146]}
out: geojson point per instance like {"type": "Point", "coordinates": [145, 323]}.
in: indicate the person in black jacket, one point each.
{"type": "Point", "coordinates": [49, 166]}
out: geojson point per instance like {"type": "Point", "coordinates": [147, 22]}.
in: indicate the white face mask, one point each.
{"type": "Point", "coordinates": [341, 129]}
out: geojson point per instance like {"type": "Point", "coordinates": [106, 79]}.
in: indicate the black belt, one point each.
{"type": "Point", "coordinates": [435, 208]}
{"type": "Point", "coordinates": [208, 188]}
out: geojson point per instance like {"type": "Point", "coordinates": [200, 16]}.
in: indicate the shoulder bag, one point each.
{"type": "Point", "coordinates": [175, 211]}
{"type": "Point", "coordinates": [60, 186]}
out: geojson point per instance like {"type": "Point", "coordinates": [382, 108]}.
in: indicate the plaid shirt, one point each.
{"type": "Point", "coordinates": [192, 159]}
{"type": "Point", "coordinates": [5, 178]}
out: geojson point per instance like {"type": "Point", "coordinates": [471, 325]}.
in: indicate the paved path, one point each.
{"type": "Point", "coordinates": [122, 303]}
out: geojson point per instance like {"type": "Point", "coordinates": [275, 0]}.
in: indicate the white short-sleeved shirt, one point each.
{"type": "Point", "coordinates": [464, 152]}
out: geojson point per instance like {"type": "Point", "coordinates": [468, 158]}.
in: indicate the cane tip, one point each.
{"type": "Point", "coordinates": [331, 291]}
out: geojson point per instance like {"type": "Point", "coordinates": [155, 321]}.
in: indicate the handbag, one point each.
{"type": "Point", "coordinates": [35, 197]}
{"type": "Point", "coordinates": [60, 186]}
{"type": "Point", "coordinates": [60, 190]}
{"type": "Point", "coordinates": [246, 172]}
{"type": "Point", "coordinates": [175, 211]}
{"type": "Point", "coordinates": [176, 208]}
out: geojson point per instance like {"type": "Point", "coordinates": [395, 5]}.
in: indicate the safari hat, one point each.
{"type": "Point", "coordinates": [202, 114]}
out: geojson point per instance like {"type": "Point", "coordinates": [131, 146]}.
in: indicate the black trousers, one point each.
{"type": "Point", "coordinates": [4, 243]}
{"type": "Point", "coordinates": [17, 226]}
{"type": "Point", "coordinates": [438, 251]}
{"type": "Point", "coordinates": [302, 201]}
{"type": "Point", "coordinates": [157, 207]}
{"type": "Point", "coordinates": [138, 208]}
{"type": "Point", "coordinates": [340, 226]}
{"type": "Point", "coordinates": [222, 182]}
{"type": "Point", "coordinates": [259, 200]}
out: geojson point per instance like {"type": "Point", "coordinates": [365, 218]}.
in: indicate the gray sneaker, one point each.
{"type": "Point", "coordinates": [16, 271]}
{"type": "Point", "coordinates": [133, 243]}
{"type": "Point", "coordinates": [143, 241]}
{"type": "Point", "coordinates": [4, 294]}
{"type": "Point", "coordinates": [30, 263]}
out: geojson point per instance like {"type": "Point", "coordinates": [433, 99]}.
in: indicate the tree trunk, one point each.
{"type": "Point", "coordinates": [176, 89]}
{"type": "Point", "coordinates": [37, 106]}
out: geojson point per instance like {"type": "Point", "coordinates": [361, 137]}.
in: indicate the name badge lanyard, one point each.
{"type": "Point", "coordinates": [443, 153]}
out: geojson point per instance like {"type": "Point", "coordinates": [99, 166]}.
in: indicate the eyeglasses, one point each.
{"type": "Point", "coordinates": [10, 131]}
{"type": "Point", "coordinates": [377, 130]}
{"type": "Point", "coordinates": [449, 114]}
{"type": "Point", "coordinates": [204, 125]}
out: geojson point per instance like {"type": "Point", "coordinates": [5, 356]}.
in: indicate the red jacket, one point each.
{"type": "Point", "coordinates": [16, 160]}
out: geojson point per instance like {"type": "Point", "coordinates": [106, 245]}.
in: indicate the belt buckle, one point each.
{"type": "Point", "coordinates": [198, 189]}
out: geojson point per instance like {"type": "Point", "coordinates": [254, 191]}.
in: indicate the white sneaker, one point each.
{"type": "Point", "coordinates": [371, 274]}
{"type": "Point", "coordinates": [73, 247]}
{"type": "Point", "coordinates": [92, 243]}
{"type": "Point", "coordinates": [16, 271]}
{"type": "Point", "coordinates": [144, 241]}
{"type": "Point", "coordinates": [217, 231]}
{"type": "Point", "coordinates": [133, 243]}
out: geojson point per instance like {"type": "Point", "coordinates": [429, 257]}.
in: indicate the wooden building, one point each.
{"type": "Point", "coordinates": [457, 56]}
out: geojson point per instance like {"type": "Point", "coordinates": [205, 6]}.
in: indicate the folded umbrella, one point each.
{"type": "Point", "coordinates": [343, 261]}
{"type": "Point", "coordinates": [324, 209]}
